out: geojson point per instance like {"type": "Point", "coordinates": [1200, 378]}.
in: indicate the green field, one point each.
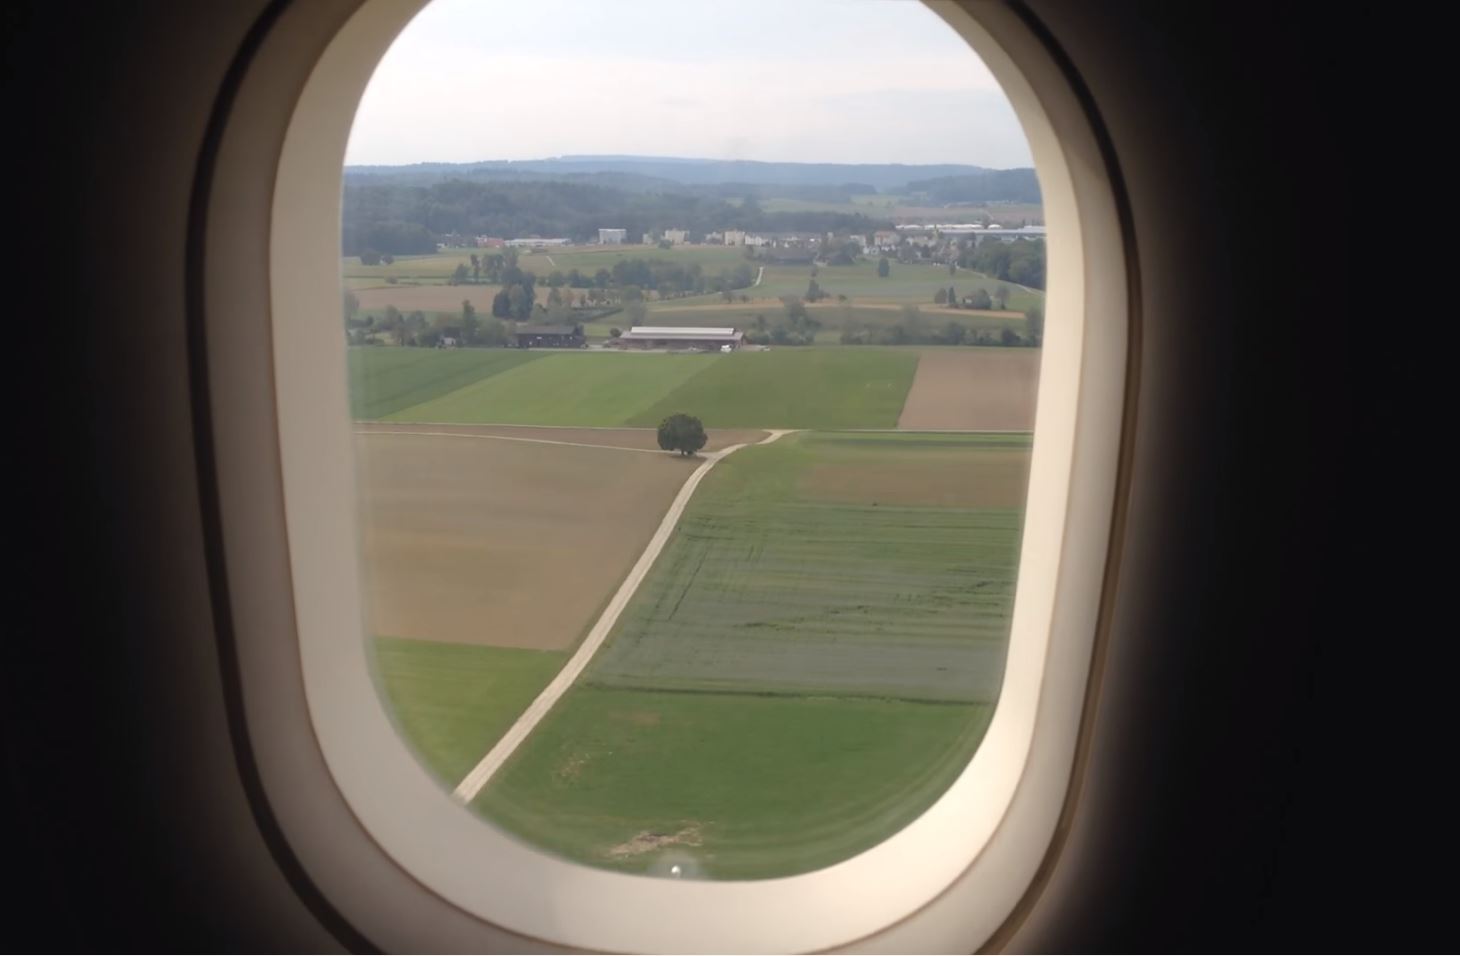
{"type": "Point", "coordinates": [384, 381]}
{"type": "Point", "coordinates": [835, 563]}
{"type": "Point", "coordinates": [810, 662]}
{"type": "Point", "coordinates": [589, 259]}
{"type": "Point", "coordinates": [784, 388]}
{"type": "Point", "coordinates": [832, 317]}
{"type": "Point", "coordinates": [907, 283]}
{"type": "Point", "coordinates": [564, 389]}
{"type": "Point", "coordinates": [727, 786]}
{"type": "Point", "coordinates": [429, 268]}
{"type": "Point", "coordinates": [794, 388]}
{"type": "Point", "coordinates": [453, 701]}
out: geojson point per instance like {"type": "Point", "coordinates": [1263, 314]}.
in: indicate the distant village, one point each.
{"type": "Point", "coordinates": [924, 241]}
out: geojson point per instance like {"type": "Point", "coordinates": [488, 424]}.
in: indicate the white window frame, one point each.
{"type": "Point", "coordinates": [386, 846]}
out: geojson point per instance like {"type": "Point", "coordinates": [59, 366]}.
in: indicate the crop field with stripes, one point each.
{"type": "Point", "coordinates": [811, 661]}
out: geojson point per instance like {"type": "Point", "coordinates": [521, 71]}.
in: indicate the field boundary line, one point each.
{"type": "Point", "coordinates": [472, 784]}
{"type": "Point", "coordinates": [581, 428]}
{"type": "Point", "coordinates": [531, 441]}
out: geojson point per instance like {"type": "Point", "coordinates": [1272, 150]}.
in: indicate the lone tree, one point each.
{"type": "Point", "coordinates": [682, 433]}
{"type": "Point", "coordinates": [883, 268]}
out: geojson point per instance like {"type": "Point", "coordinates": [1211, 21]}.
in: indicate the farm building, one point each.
{"type": "Point", "coordinates": [612, 237]}
{"type": "Point", "coordinates": [675, 236]}
{"type": "Point", "coordinates": [537, 243]}
{"type": "Point", "coordinates": [550, 337]}
{"type": "Point", "coordinates": [665, 337]}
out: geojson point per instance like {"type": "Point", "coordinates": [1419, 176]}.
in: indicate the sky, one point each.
{"type": "Point", "coordinates": [828, 81]}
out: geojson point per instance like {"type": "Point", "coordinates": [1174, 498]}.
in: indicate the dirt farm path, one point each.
{"type": "Point", "coordinates": [473, 783]}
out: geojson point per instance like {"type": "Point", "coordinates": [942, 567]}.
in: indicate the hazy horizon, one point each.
{"type": "Point", "coordinates": [669, 159]}
{"type": "Point", "coordinates": [815, 81]}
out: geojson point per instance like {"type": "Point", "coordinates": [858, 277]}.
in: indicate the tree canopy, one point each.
{"type": "Point", "coordinates": [682, 433]}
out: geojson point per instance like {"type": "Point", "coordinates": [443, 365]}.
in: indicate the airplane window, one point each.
{"type": "Point", "coordinates": [691, 482]}
{"type": "Point", "coordinates": [696, 471]}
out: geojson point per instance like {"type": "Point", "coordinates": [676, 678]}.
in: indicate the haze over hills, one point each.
{"type": "Point", "coordinates": [666, 173]}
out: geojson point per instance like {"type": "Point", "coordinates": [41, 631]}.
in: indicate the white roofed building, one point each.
{"type": "Point", "coordinates": [679, 337]}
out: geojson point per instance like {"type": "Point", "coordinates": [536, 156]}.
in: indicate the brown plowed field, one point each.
{"type": "Point", "coordinates": [512, 544]}
{"type": "Point", "coordinates": [948, 478]}
{"type": "Point", "coordinates": [640, 438]}
{"type": "Point", "coordinates": [973, 389]}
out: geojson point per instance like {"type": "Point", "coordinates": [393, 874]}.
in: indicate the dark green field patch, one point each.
{"type": "Point", "coordinates": [768, 586]}
{"type": "Point", "coordinates": [384, 381]}
{"type": "Point", "coordinates": [566, 388]}
{"type": "Point", "coordinates": [794, 388]}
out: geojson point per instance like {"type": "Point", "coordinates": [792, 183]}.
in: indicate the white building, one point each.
{"type": "Point", "coordinates": [679, 337]}
{"type": "Point", "coordinates": [734, 237]}
{"type": "Point", "coordinates": [537, 243]}
{"type": "Point", "coordinates": [674, 236]}
{"type": "Point", "coordinates": [611, 237]}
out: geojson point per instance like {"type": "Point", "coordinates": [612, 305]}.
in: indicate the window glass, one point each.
{"type": "Point", "coordinates": [693, 395]}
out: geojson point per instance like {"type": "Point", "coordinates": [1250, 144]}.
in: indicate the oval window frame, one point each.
{"type": "Point", "coordinates": [348, 797]}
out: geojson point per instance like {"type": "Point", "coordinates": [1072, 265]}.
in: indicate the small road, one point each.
{"type": "Point", "coordinates": [758, 276]}
{"type": "Point", "coordinates": [472, 784]}
{"type": "Point", "coordinates": [551, 262]}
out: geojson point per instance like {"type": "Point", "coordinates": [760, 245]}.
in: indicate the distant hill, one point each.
{"type": "Point", "coordinates": [386, 215]}
{"type": "Point", "coordinates": [650, 173]}
{"type": "Point", "coordinates": [986, 185]}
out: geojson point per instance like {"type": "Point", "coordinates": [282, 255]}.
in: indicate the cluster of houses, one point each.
{"type": "Point", "coordinates": [794, 246]}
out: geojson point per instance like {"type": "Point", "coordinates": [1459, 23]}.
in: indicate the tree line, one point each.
{"type": "Point", "coordinates": [913, 328]}
{"type": "Point", "coordinates": [1021, 261]}
{"type": "Point", "coordinates": [797, 326]}
{"type": "Point", "coordinates": [627, 281]}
